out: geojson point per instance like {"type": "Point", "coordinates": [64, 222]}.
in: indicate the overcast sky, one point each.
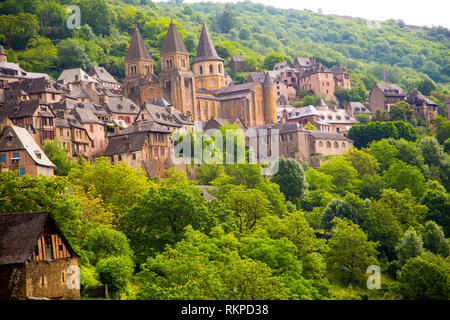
{"type": "Point", "coordinates": [415, 12]}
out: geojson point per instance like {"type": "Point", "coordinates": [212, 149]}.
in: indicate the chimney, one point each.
{"type": "Point", "coordinates": [137, 126]}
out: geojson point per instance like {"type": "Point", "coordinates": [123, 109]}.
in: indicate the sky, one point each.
{"type": "Point", "coordinates": [413, 12]}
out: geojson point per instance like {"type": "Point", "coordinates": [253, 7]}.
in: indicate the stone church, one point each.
{"type": "Point", "coordinates": [200, 94]}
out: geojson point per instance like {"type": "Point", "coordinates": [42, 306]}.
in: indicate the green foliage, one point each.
{"type": "Point", "coordinates": [119, 186]}
{"type": "Point", "coordinates": [401, 176]}
{"type": "Point", "coordinates": [438, 203]}
{"type": "Point", "coordinates": [58, 155]}
{"type": "Point", "coordinates": [401, 111]}
{"type": "Point", "coordinates": [423, 280]}
{"type": "Point", "coordinates": [291, 178]}
{"type": "Point", "coordinates": [410, 246]}
{"type": "Point", "coordinates": [272, 59]}
{"type": "Point", "coordinates": [345, 177]}
{"type": "Point", "coordinates": [363, 134]}
{"type": "Point", "coordinates": [309, 126]}
{"type": "Point", "coordinates": [434, 239]}
{"type": "Point", "coordinates": [349, 252]}
{"type": "Point", "coordinates": [115, 272]}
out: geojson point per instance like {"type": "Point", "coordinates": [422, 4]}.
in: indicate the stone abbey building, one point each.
{"type": "Point", "coordinates": [200, 94]}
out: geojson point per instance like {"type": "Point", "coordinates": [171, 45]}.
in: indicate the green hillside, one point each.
{"type": "Point", "coordinates": [35, 34]}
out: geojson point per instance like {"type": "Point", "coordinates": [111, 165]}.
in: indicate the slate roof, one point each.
{"type": "Point", "coordinates": [122, 105]}
{"type": "Point", "coordinates": [173, 41]}
{"type": "Point", "coordinates": [137, 49]}
{"type": "Point", "coordinates": [390, 89]}
{"type": "Point", "coordinates": [37, 85]}
{"type": "Point", "coordinates": [22, 140]}
{"type": "Point", "coordinates": [20, 109]}
{"type": "Point", "coordinates": [282, 127]}
{"type": "Point", "coordinates": [125, 143]}
{"type": "Point", "coordinates": [161, 115]}
{"type": "Point", "coordinates": [69, 76]}
{"type": "Point", "coordinates": [328, 135]}
{"type": "Point", "coordinates": [304, 62]}
{"type": "Point", "coordinates": [206, 49]}
{"type": "Point", "coordinates": [234, 88]}
{"type": "Point", "coordinates": [415, 97]}
{"type": "Point", "coordinates": [102, 74]}
{"type": "Point", "coordinates": [12, 69]}
{"type": "Point", "coordinates": [19, 235]}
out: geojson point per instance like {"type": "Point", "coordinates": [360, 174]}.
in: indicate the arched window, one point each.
{"type": "Point", "coordinates": [328, 144]}
{"type": "Point", "coordinates": [210, 68]}
{"type": "Point", "coordinates": [183, 63]}
{"type": "Point", "coordinates": [168, 63]}
{"type": "Point", "coordinates": [343, 144]}
{"type": "Point", "coordinates": [201, 70]}
{"type": "Point", "coordinates": [220, 68]}
{"type": "Point", "coordinates": [336, 145]}
{"type": "Point", "coordinates": [320, 144]}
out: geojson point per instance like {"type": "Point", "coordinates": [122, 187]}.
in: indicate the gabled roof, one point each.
{"type": "Point", "coordinates": [173, 41]}
{"type": "Point", "coordinates": [137, 49]}
{"type": "Point", "coordinates": [20, 109]}
{"type": "Point", "coordinates": [37, 85]}
{"type": "Point", "coordinates": [19, 235]}
{"type": "Point", "coordinates": [125, 143]}
{"type": "Point", "coordinates": [13, 70]}
{"type": "Point", "coordinates": [22, 140]}
{"type": "Point", "coordinates": [205, 49]}
{"type": "Point", "coordinates": [415, 97]}
{"type": "Point", "coordinates": [102, 74]}
{"type": "Point", "coordinates": [304, 62]}
{"type": "Point", "coordinates": [75, 75]}
{"type": "Point", "coordinates": [390, 89]}
{"type": "Point", "coordinates": [328, 135]}
{"type": "Point", "coordinates": [122, 105]}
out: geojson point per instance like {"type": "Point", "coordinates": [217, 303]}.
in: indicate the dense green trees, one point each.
{"type": "Point", "coordinates": [291, 178]}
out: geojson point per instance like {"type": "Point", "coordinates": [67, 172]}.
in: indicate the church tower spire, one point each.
{"type": "Point", "coordinates": [208, 66]}
{"type": "Point", "coordinates": [138, 61]}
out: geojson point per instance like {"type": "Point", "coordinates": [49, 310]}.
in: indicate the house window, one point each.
{"type": "Point", "coordinates": [48, 247]}
{"type": "Point", "coordinates": [134, 156]}
{"type": "Point", "coordinates": [21, 172]}
{"type": "Point", "coordinates": [336, 145]}
{"type": "Point", "coordinates": [16, 156]}
{"type": "Point", "coordinates": [201, 70]}
{"type": "Point", "coordinates": [2, 157]}
{"type": "Point", "coordinates": [63, 277]}
{"type": "Point", "coordinates": [343, 144]}
{"type": "Point", "coordinates": [210, 68]}
{"type": "Point", "coordinates": [290, 137]}
{"type": "Point", "coordinates": [328, 144]}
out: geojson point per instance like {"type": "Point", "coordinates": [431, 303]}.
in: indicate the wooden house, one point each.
{"type": "Point", "coordinates": [36, 260]}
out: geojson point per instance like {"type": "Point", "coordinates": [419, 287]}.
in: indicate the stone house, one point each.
{"type": "Point", "coordinates": [341, 77]}
{"type": "Point", "coordinates": [318, 80]}
{"type": "Point", "coordinates": [160, 111]}
{"type": "Point", "coordinates": [301, 64]}
{"type": "Point", "coordinates": [35, 116]}
{"type": "Point", "coordinates": [214, 124]}
{"type": "Point", "coordinates": [383, 95]}
{"type": "Point", "coordinates": [423, 107]}
{"type": "Point", "coordinates": [19, 151]}
{"type": "Point", "coordinates": [237, 64]}
{"type": "Point", "coordinates": [36, 260]}
{"type": "Point", "coordinates": [297, 143]}
{"type": "Point", "coordinates": [121, 108]}
{"type": "Point", "coordinates": [145, 145]}
{"type": "Point", "coordinates": [103, 77]}
{"type": "Point", "coordinates": [42, 89]}
{"type": "Point", "coordinates": [354, 108]}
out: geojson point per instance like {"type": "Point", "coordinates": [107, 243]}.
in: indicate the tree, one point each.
{"type": "Point", "coordinates": [119, 186]}
{"type": "Point", "coordinates": [247, 205]}
{"type": "Point", "coordinates": [349, 252]}
{"type": "Point", "coordinates": [244, 34]}
{"type": "Point", "coordinates": [202, 267]}
{"type": "Point", "coordinates": [438, 203]}
{"type": "Point", "coordinates": [291, 178]}
{"type": "Point", "coordinates": [345, 177]}
{"type": "Point", "coordinates": [434, 239]}
{"type": "Point", "coordinates": [401, 111]}
{"type": "Point", "coordinates": [410, 246]}
{"type": "Point", "coordinates": [318, 180]}
{"type": "Point", "coordinates": [18, 29]}
{"type": "Point", "coordinates": [272, 59]}
{"type": "Point", "coordinates": [401, 176]}
{"type": "Point", "coordinates": [351, 208]}
{"type": "Point", "coordinates": [384, 153]}
{"type": "Point", "coordinates": [103, 242]}
{"type": "Point", "coordinates": [426, 85]}
{"type": "Point", "coordinates": [59, 156]}
{"type": "Point", "coordinates": [431, 151]}
{"type": "Point", "coordinates": [226, 20]}
{"type": "Point", "coordinates": [160, 216]}
{"type": "Point", "coordinates": [309, 126]}
{"type": "Point", "coordinates": [72, 54]}
{"type": "Point", "coordinates": [98, 14]}
{"type": "Point", "coordinates": [363, 162]}
{"type": "Point", "coordinates": [115, 272]}
{"type": "Point", "coordinates": [423, 280]}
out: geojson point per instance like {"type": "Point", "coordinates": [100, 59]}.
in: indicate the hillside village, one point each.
{"type": "Point", "coordinates": [99, 201]}
{"type": "Point", "coordinates": [93, 115]}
